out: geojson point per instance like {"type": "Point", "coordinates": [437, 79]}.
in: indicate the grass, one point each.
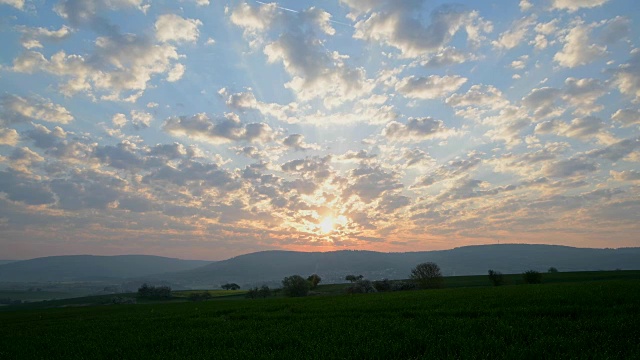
{"type": "Point", "coordinates": [596, 319]}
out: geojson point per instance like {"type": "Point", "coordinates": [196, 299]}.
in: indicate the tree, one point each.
{"type": "Point", "coordinates": [314, 280]}
{"type": "Point", "coordinates": [231, 286]}
{"type": "Point", "coordinates": [552, 270]}
{"type": "Point", "coordinates": [496, 278]}
{"type": "Point", "coordinates": [295, 286]}
{"type": "Point", "coordinates": [353, 278]}
{"type": "Point", "coordinates": [532, 277]}
{"type": "Point", "coordinates": [361, 287]}
{"type": "Point", "coordinates": [154, 292]}
{"type": "Point", "coordinates": [252, 293]}
{"type": "Point", "coordinates": [427, 275]}
{"type": "Point", "coordinates": [264, 291]}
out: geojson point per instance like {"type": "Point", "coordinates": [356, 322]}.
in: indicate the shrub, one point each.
{"type": "Point", "coordinates": [496, 278]}
{"type": "Point", "coordinates": [314, 280]}
{"type": "Point", "coordinates": [404, 286]}
{"type": "Point", "coordinates": [154, 292]}
{"type": "Point", "coordinates": [532, 277]}
{"type": "Point", "coordinates": [427, 275]}
{"type": "Point", "coordinates": [382, 285]}
{"type": "Point", "coordinates": [361, 287]}
{"type": "Point", "coordinates": [230, 286]}
{"type": "Point", "coordinates": [295, 286]}
{"type": "Point", "coordinates": [252, 293]}
{"type": "Point", "coordinates": [264, 291]}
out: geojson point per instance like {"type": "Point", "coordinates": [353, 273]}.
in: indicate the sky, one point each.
{"type": "Point", "coordinates": [205, 129]}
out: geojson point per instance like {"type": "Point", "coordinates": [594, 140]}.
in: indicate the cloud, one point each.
{"type": "Point", "coordinates": [617, 151]}
{"type": "Point", "coordinates": [88, 12]}
{"type": "Point", "coordinates": [17, 109]}
{"type": "Point", "coordinates": [370, 182]}
{"type": "Point", "coordinates": [627, 76]}
{"type": "Point", "coordinates": [431, 87]}
{"type": "Point", "coordinates": [516, 34]}
{"type": "Point", "coordinates": [44, 138]}
{"type": "Point", "coordinates": [582, 94]}
{"type": "Point", "coordinates": [574, 5]}
{"type": "Point", "coordinates": [9, 137]}
{"type": "Point", "coordinates": [417, 129]}
{"type": "Point", "coordinates": [543, 102]}
{"type": "Point", "coordinates": [570, 167]}
{"type": "Point", "coordinates": [19, 188]}
{"type": "Point", "coordinates": [218, 130]}
{"type": "Point", "coordinates": [31, 36]}
{"type": "Point", "coordinates": [627, 117]}
{"type": "Point", "coordinates": [447, 57]}
{"type": "Point", "coordinates": [296, 142]}
{"type": "Point", "coordinates": [171, 27]}
{"type": "Point", "coordinates": [396, 24]}
{"type": "Point", "coordinates": [18, 4]}
{"type": "Point", "coordinates": [577, 49]}
{"type": "Point", "coordinates": [616, 29]}
{"type": "Point", "coordinates": [626, 175]}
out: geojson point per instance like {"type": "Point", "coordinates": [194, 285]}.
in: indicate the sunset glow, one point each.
{"type": "Point", "coordinates": [206, 129]}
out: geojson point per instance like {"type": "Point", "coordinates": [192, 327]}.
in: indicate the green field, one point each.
{"type": "Point", "coordinates": [584, 319]}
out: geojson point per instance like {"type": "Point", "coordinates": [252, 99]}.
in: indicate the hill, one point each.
{"type": "Point", "coordinates": [92, 268]}
{"type": "Point", "coordinates": [271, 266]}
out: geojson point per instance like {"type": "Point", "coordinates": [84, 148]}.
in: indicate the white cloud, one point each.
{"type": "Point", "coordinates": [18, 4]}
{"type": "Point", "coordinates": [9, 137]}
{"type": "Point", "coordinates": [171, 27]}
{"type": "Point", "coordinates": [21, 109]}
{"type": "Point", "coordinates": [31, 36]}
{"type": "Point", "coordinates": [176, 73]}
{"type": "Point", "coordinates": [525, 5]}
{"type": "Point", "coordinates": [627, 76]}
{"type": "Point", "coordinates": [574, 5]}
{"type": "Point", "coordinates": [516, 34]}
{"type": "Point", "coordinates": [417, 129]}
{"type": "Point", "coordinates": [577, 49]}
{"type": "Point", "coordinates": [431, 87]}
{"type": "Point", "coordinates": [221, 130]}
{"type": "Point", "coordinates": [627, 117]}
{"type": "Point", "coordinates": [397, 25]}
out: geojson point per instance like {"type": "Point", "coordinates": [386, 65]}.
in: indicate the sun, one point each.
{"type": "Point", "coordinates": [326, 226]}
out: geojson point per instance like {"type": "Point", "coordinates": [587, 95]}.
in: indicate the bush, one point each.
{"type": "Point", "coordinates": [361, 287]}
{"type": "Point", "coordinates": [295, 286]}
{"type": "Point", "coordinates": [314, 280]}
{"type": "Point", "coordinates": [427, 275]}
{"type": "Point", "coordinates": [404, 286]}
{"type": "Point", "coordinates": [353, 278]}
{"type": "Point", "coordinates": [383, 285]}
{"type": "Point", "coordinates": [231, 286]}
{"type": "Point", "coordinates": [496, 278]}
{"type": "Point", "coordinates": [154, 292]}
{"type": "Point", "coordinates": [122, 300]}
{"type": "Point", "coordinates": [264, 291]}
{"type": "Point", "coordinates": [252, 293]}
{"type": "Point", "coordinates": [552, 270]}
{"type": "Point", "coordinates": [532, 277]}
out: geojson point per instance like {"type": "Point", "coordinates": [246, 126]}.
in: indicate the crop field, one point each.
{"type": "Point", "coordinates": [594, 319]}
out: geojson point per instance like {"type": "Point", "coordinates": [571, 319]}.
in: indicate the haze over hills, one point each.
{"type": "Point", "coordinates": [91, 268]}
{"type": "Point", "coordinates": [272, 266]}
{"type": "Point", "coordinates": [2, 262]}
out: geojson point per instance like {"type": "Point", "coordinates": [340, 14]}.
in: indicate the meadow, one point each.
{"type": "Point", "coordinates": [580, 319]}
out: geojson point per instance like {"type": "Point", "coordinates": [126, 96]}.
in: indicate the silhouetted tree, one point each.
{"type": "Point", "coordinates": [314, 280]}
{"type": "Point", "coordinates": [361, 287]}
{"type": "Point", "coordinates": [264, 291]}
{"type": "Point", "coordinates": [252, 293]}
{"type": "Point", "coordinates": [496, 278]}
{"type": "Point", "coordinates": [552, 270]}
{"type": "Point", "coordinates": [427, 275]}
{"type": "Point", "coordinates": [231, 286]}
{"type": "Point", "coordinates": [154, 292]}
{"type": "Point", "coordinates": [353, 278]}
{"type": "Point", "coordinates": [532, 277]}
{"type": "Point", "coordinates": [295, 286]}
{"type": "Point", "coordinates": [383, 285]}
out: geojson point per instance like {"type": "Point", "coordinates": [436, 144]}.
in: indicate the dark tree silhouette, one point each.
{"type": "Point", "coordinates": [496, 278]}
{"type": "Point", "coordinates": [532, 277]}
{"type": "Point", "coordinates": [295, 286]}
{"type": "Point", "coordinates": [231, 286]}
{"type": "Point", "coordinates": [427, 275]}
{"type": "Point", "coordinates": [314, 280]}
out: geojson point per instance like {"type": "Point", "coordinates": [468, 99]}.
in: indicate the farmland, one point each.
{"type": "Point", "coordinates": [562, 319]}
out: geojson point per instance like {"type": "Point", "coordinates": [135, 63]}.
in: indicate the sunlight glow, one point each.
{"type": "Point", "coordinates": [326, 226]}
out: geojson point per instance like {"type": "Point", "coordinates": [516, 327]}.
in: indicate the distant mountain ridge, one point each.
{"type": "Point", "coordinates": [272, 266]}
{"type": "Point", "coordinates": [92, 268]}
